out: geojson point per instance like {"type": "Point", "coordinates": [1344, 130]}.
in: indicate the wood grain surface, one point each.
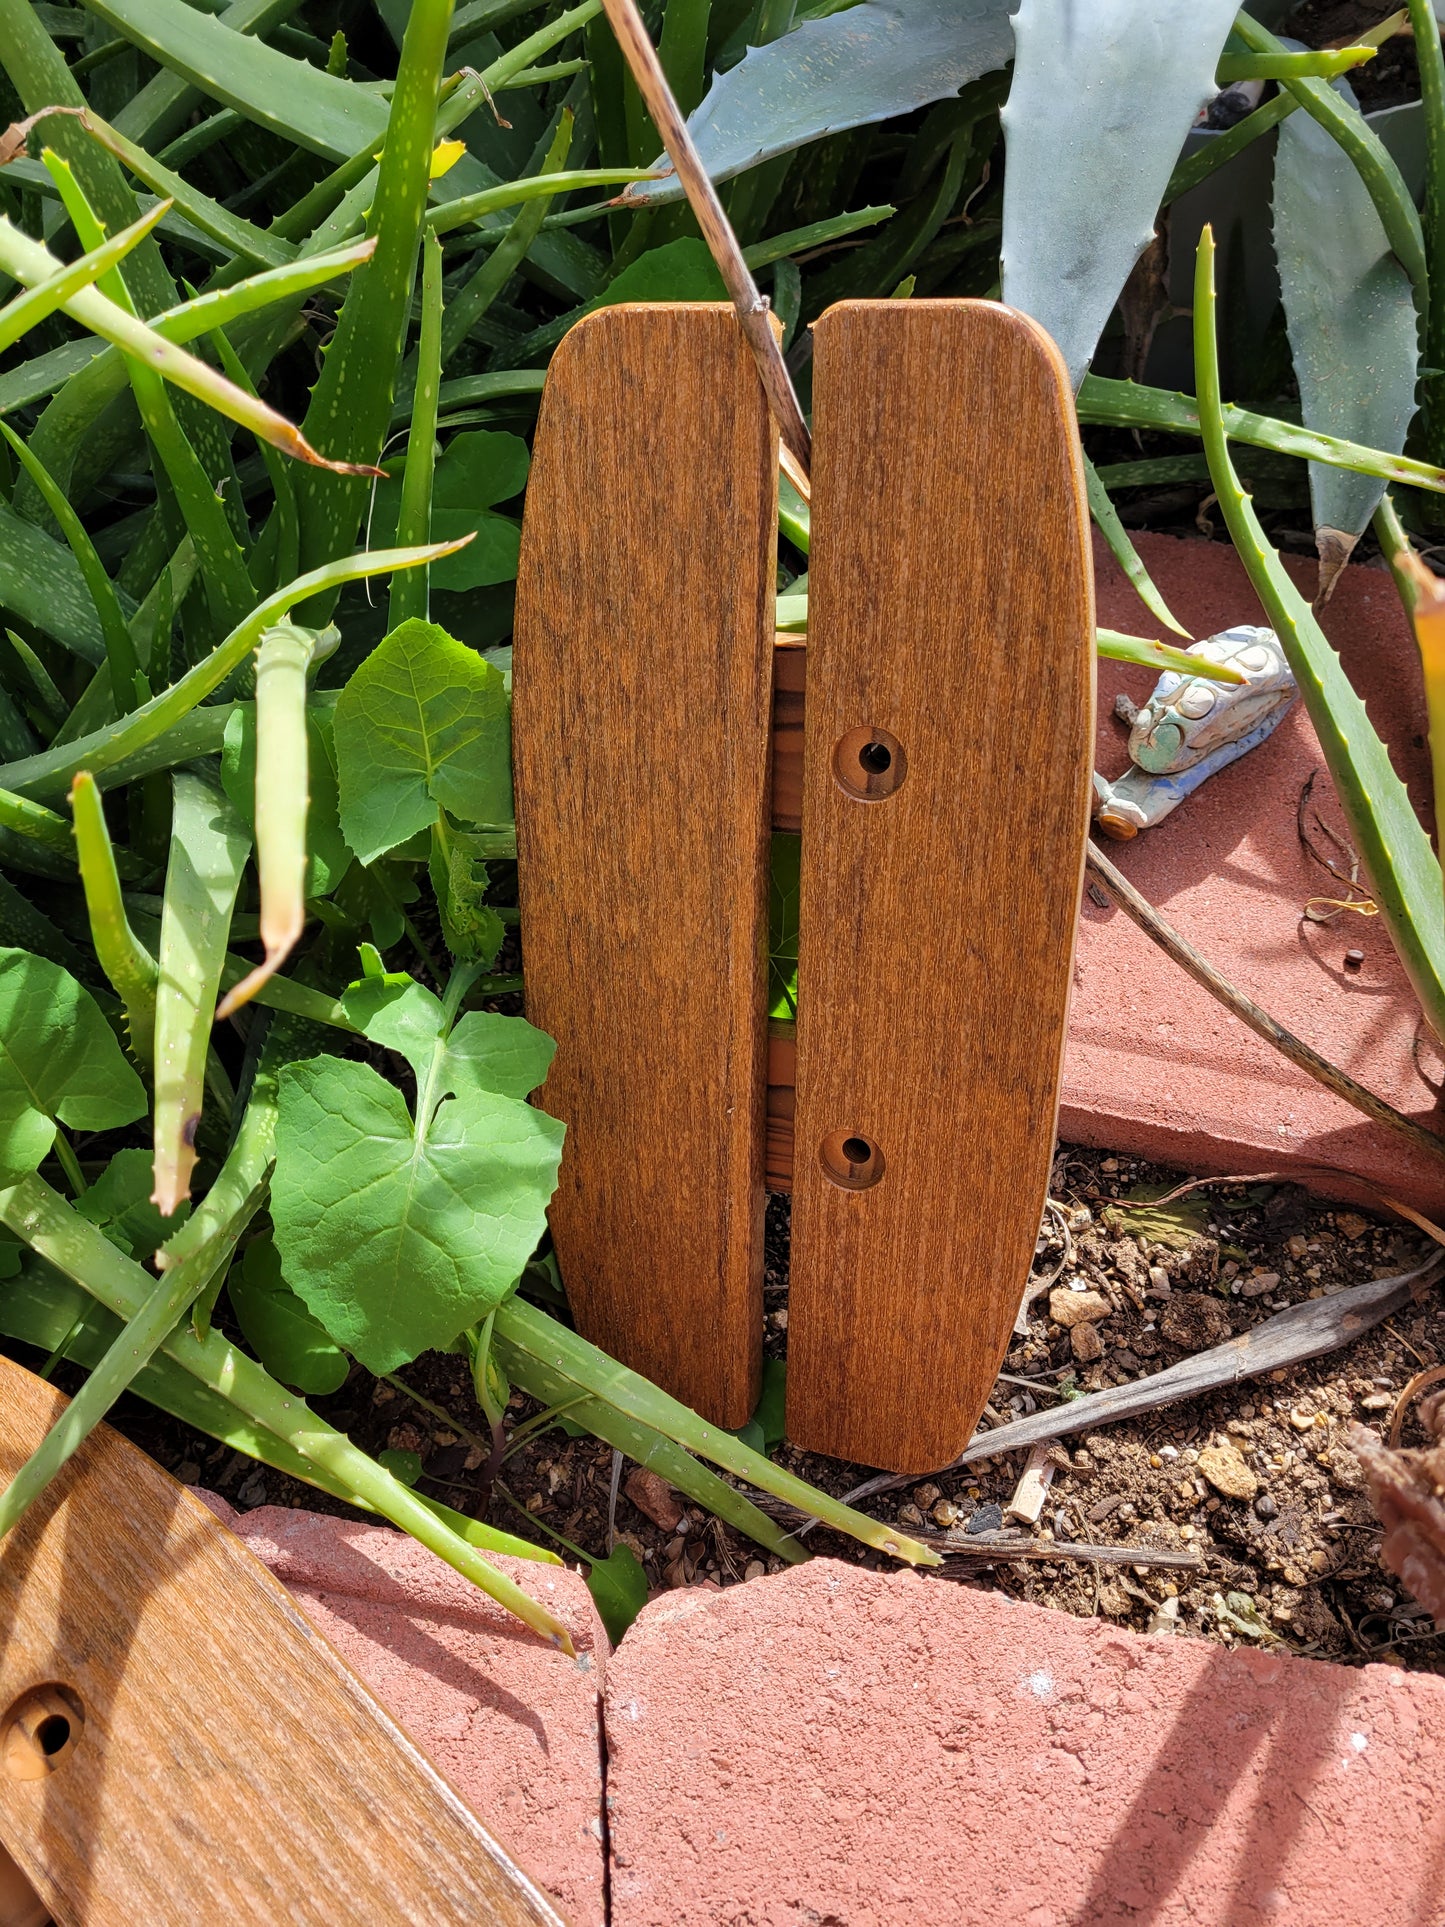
{"type": "Point", "coordinates": [178, 1745]}
{"type": "Point", "coordinates": [951, 626]}
{"type": "Point", "coordinates": [641, 706]}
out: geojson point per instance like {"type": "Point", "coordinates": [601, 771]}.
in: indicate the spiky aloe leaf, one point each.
{"type": "Point", "coordinates": [1403, 870]}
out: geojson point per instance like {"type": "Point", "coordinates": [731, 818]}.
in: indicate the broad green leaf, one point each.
{"type": "Point", "coordinates": [399, 1232]}
{"type": "Point", "coordinates": [285, 1337]}
{"type": "Point", "coordinates": [866, 64]}
{"type": "Point", "coordinates": [326, 846]}
{"type": "Point", "coordinates": [1351, 317]}
{"type": "Point", "coordinates": [119, 1201]}
{"type": "Point", "coordinates": [59, 1059]}
{"type": "Point", "coordinates": [1103, 95]}
{"type": "Point", "coordinates": [474, 472]}
{"type": "Point", "coordinates": [618, 1586]}
{"type": "Point", "coordinates": [401, 1464]}
{"type": "Point", "coordinates": [471, 927]}
{"type": "Point", "coordinates": [422, 725]}
{"type": "Point", "coordinates": [682, 270]}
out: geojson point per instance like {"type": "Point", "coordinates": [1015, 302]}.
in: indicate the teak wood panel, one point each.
{"type": "Point", "coordinates": [226, 1765]}
{"type": "Point", "coordinates": [641, 709]}
{"type": "Point", "coordinates": [951, 622]}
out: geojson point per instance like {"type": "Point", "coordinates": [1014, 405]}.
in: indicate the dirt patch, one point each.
{"type": "Point", "coordinates": [1294, 1565]}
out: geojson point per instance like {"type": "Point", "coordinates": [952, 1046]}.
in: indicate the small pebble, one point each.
{"type": "Point", "coordinates": [1266, 1506]}
{"type": "Point", "coordinates": [1353, 959]}
{"type": "Point", "coordinates": [1159, 1284]}
{"type": "Point", "coordinates": [1377, 1402]}
{"type": "Point", "coordinates": [1227, 1472]}
{"type": "Point", "coordinates": [987, 1518]}
{"type": "Point", "coordinates": [1086, 1344]}
{"type": "Point", "coordinates": [1074, 1308]}
{"type": "Point", "coordinates": [1109, 1164]}
{"type": "Point", "coordinates": [909, 1515]}
{"type": "Point", "coordinates": [754, 1569]}
{"type": "Point", "coordinates": [1301, 1420]}
{"type": "Point", "coordinates": [188, 1472]}
{"type": "Point", "coordinates": [945, 1514]}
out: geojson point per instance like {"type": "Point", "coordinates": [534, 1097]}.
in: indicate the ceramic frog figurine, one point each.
{"type": "Point", "coordinates": [1189, 728]}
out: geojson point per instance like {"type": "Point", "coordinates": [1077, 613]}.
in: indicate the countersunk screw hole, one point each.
{"type": "Point", "coordinates": [875, 758]}
{"type": "Point", "coordinates": [52, 1733]}
{"type": "Point", "coordinates": [857, 1150]}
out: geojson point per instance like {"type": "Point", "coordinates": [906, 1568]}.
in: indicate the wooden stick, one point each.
{"type": "Point", "coordinates": [1142, 912]}
{"type": "Point", "coordinates": [1306, 1330]}
{"type": "Point", "coordinates": [753, 314]}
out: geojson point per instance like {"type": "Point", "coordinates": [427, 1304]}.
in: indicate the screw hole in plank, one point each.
{"type": "Point", "coordinates": [851, 1160]}
{"type": "Point", "coordinates": [869, 764]}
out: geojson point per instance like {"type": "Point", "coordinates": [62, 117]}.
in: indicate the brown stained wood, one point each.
{"type": "Point", "coordinates": [179, 1746]}
{"type": "Point", "coordinates": [641, 709]}
{"type": "Point", "coordinates": [951, 622]}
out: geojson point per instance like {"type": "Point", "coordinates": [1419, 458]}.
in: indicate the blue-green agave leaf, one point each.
{"type": "Point", "coordinates": [1352, 324]}
{"type": "Point", "coordinates": [1103, 94]}
{"type": "Point", "coordinates": [881, 58]}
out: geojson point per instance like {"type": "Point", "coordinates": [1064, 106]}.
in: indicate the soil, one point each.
{"type": "Point", "coordinates": [1294, 1566]}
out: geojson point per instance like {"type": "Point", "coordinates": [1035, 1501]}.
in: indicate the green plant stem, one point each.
{"type": "Point", "coordinates": [28, 310]}
{"type": "Point", "coordinates": [492, 200]}
{"type": "Point", "coordinates": [48, 1224]}
{"type": "Point", "coordinates": [1106, 518]}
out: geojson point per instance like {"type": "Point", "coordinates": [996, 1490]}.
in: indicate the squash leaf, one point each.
{"type": "Point", "coordinates": [398, 1230]}
{"type": "Point", "coordinates": [280, 1330]}
{"type": "Point", "coordinates": [59, 1061]}
{"type": "Point", "coordinates": [473, 473]}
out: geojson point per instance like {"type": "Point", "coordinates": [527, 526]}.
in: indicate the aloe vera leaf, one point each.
{"type": "Point", "coordinates": [208, 1239]}
{"type": "Point", "coordinates": [351, 402]}
{"type": "Point", "coordinates": [41, 583]}
{"type": "Point", "coordinates": [119, 648]}
{"type": "Point", "coordinates": [1128, 404]}
{"type": "Point", "coordinates": [1324, 63]}
{"type": "Point", "coordinates": [31, 263]}
{"type": "Point", "coordinates": [492, 200]}
{"type": "Point", "coordinates": [283, 659]}
{"type": "Point", "coordinates": [18, 316]}
{"type": "Point", "coordinates": [44, 1308]}
{"type": "Point", "coordinates": [41, 826]}
{"type": "Point", "coordinates": [237, 236]}
{"type": "Point", "coordinates": [41, 1217]}
{"type": "Point", "coordinates": [1403, 870]}
{"type": "Point", "coordinates": [525, 1329]}
{"type": "Point", "coordinates": [1106, 519]}
{"type": "Point", "coordinates": [42, 79]}
{"type": "Point", "coordinates": [209, 848]}
{"type": "Point", "coordinates": [50, 773]}
{"type": "Point", "coordinates": [472, 300]}
{"type": "Point", "coordinates": [1101, 101]}
{"type": "Point", "coordinates": [1353, 331]}
{"type": "Point", "coordinates": [1196, 168]}
{"type": "Point", "coordinates": [881, 58]}
{"type": "Point", "coordinates": [468, 390]}
{"type": "Point", "coordinates": [1161, 656]}
{"type": "Point", "coordinates": [130, 968]}
{"type": "Point", "coordinates": [33, 380]}
{"type": "Point", "coordinates": [278, 473]}
{"type": "Point", "coordinates": [163, 106]}
{"type": "Point", "coordinates": [409, 592]}
{"type": "Point", "coordinates": [1381, 177]}
{"type": "Point", "coordinates": [817, 234]}
{"type": "Point", "coordinates": [648, 1447]}
{"type": "Point", "coordinates": [228, 585]}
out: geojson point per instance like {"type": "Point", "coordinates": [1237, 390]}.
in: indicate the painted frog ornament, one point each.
{"type": "Point", "coordinates": [1190, 727]}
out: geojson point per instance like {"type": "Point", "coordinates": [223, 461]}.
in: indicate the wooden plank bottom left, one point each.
{"type": "Point", "coordinates": [180, 1747]}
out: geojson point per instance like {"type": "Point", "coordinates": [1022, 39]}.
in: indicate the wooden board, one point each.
{"type": "Point", "coordinates": [178, 1745]}
{"type": "Point", "coordinates": [640, 719]}
{"type": "Point", "coordinates": [950, 642]}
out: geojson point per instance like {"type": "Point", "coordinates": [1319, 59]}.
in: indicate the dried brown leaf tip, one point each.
{"type": "Point", "coordinates": [1407, 1489]}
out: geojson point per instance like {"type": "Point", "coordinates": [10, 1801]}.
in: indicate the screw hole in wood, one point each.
{"type": "Point", "coordinates": [869, 764]}
{"type": "Point", "coordinates": [40, 1731]}
{"type": "Point", "coordinates": [851, 1160]}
